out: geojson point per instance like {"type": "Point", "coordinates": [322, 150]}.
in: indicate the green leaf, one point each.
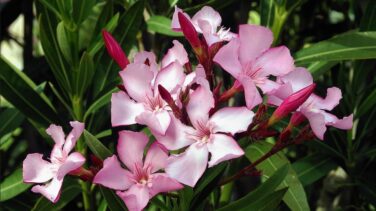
{"type": "Point", "coordinates": [70, 190]}
{"type": "Point", "coordinates": [267, 12]}
{"type": "Point", "coordinates": [368, 104]}
{"type": "Point", "coordinates": [313, 167]}
{"type": "Point", "coordinates": [159, 203]}
{"type": "Point", "coordinates": [295, 197]}
{"type": "Point", "coordinates": [85, 74]}
{"type": "Point", "coordinates": [261, 192]}
{"type": "Point", "coordinates": [12, 185]}
{"type": "Point", "coordinates": [347, 46]}
{"type": "Point", "coordinates": [63, 42]}
{"type": "Point", "coordinates": [99, 103]}
{"type": "Point", "coordinates": [10, 120]}
{"type": "Point", "coordinates": [114, 203]}
{"type": "Point", "coordinates": [96, 146]}
{"type": "Point", "coordinates": [19, 90]}
{"type": "Point", "coordinates": [82, 9]}
{"type": "Point", "coordinates": [161, 25]}
{"type": "Point", "coordinates": [318, 68]}
{"type": "Point", "coordinates": [270, 202]}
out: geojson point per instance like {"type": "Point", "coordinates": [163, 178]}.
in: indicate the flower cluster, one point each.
{"type": "Point", "coordinates": [187, 111]}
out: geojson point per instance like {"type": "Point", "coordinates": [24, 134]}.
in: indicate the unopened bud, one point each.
{"type": "Point", "coordinates": [114, 49]}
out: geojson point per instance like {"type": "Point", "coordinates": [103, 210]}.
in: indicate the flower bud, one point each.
{"type": "Point", "coordinates": [291, 103]}
{"type": "Point", "coordinates": [189, 32]}
{"type": "Point", "coordinates": [114, 49]}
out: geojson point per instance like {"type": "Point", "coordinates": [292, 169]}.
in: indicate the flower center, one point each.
{"type": "Point", "coordinates": [154, 104]}
{"type": "Point", "coordinates": [142, 175]}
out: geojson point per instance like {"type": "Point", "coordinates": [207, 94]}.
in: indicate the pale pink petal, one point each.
{"type": "Point", "coordinates": [176, 53]}
{"type": "Point", "coordinates": [130, 148]}
{"type": "Point", "coordinates": [157, 121]}
{"type": "Point", "coordinates": [276, 97]}
{"type": "Point", "coordinates": [208, 15]}
{"type": "Point", "coordinates": [50, 190]}
{"type": "Point", "coordinates": [345, 123]}
{"type": "Point", "coordinates": [73, 162]}
{"type": "Point", "coordinates": [57, 134]}
{"type": "Point", "coordinates": [37, 170]}
{"type": "Point", "coordinates": [222, 148]}
{"type": "Point", "coordinates": [199, 105]}
{"type": "Point", "coordinates": [73, 136]}
{"type": "Point", "coordinates": [211, 38]}
{"type": "Point", "coordinates": [162, 183]}
{"type": "Point", "coordinates": [188, 167]}
{"type": "Point", "coordinates": [176, 135]}
{"type": "Point", "coordinates": [275, 61]}
{"type": "Point", "coordinates": [136, 198]}
{"type": "Point", "coordinates": [171, 77]}
{"type": "Point", "coordinates": [228, 58]}
{"type": "Point", "coordinates": [333, 96]}
{"type": "Point", "coordinates": [147, 57]}
{"type": "Point", "coordinates": [317, 123]}
{"type": "Point", "coordinates": [231, 120]}
{"type": "Point", "coordinates": [299, 79]}
{"type": "Point", "coordinates": [124, 110]}
{"type": "Point", "coordinates": [156, 157]}
{"type": "Point", "coordinates": [268, 86]}
{"type": "Point", "coordinates": [137, 81]}
{"type": "Point", "coordinates": [254, 40]}
{"type": "Point", "coordinates": [251, 94]}
{"type": "Point", "coordinates": [113, 176]}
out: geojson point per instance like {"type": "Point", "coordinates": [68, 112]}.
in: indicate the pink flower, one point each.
{"type": "Point", "coordinates": [52, 172]}
{"type": "Point", "coordinates": [206, 21]}
{"type": "Point", "coordinates": [137, 185]}
{"type": "Point", "coordinates": [250, 60]}
{"type": "Point", "coordinates": [114, 49]}
{"type": "Point", "coordinates": [142, 103]}
{"type": "Point", "coordinates": [207, 135]}
{"type": "Point", "coordinates": [314, 108]}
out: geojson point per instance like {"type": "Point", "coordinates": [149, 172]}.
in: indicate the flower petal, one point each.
{"type": "Point", "coordinates": [176, 53]}
{"type": "Point", "coordinates": [223, 119]}
{"type": "Point", "coordinates": [277, 96]}
{"type": "Point", "coordinates": [251, 94]}
{"type": "Point", "coordinates": [208, 15]}
{"type": "Point", "coordinates": [254, 40]}
{"type": "Point", "coordinates": [57, 134]}
{"type": "Point", "coordinates": [50, 190]}
{"type": "Point", "coordinates": [176, 135]}
{"type": "Point", "coordinates": [222, 148]}
{"type": "Point", "coordinates": [137, 81]}
{"type": "Point", "coordinates": [124, 110]}
{"type": "Point", "coordinates": [170, 77]}
{"type": "Point", "coordinates": [345, 123]}
{"type": "Point", "coordinates": [36, 170]}
{"type": "Point", "coordinates": [275, 61]}
{"type": "Point", "coordinates": [136, 198]}
{"type": "Point", "coordinates": [113, 176]}
{"type": "Point", "coordinates": [158, 121]}
{"type": "Point", "coordinates": [299, 79]}
{"type": "Point", "coordinates": [73, 136]}
{"type": "Point", "coordinates": [162, 183]}
{"type": "Point", "coordinates": [200, 102]}
{"type": "Point", "coordinates": [131, 147]}
{"type": "Point", "coordinates": [188, 167]}
{"type": "Point", "coordinates": [175, 25]}
{"type": "Point", "coordinates": [317, 123]}
{"type": "Point", "coordinates": [228, 58]}
{"type": "Point", "coordinates": [333, 96]}
{"type": "Point", "coordinates": [156, 157]}
{"type": "Point", "coordinates": [73, 162]}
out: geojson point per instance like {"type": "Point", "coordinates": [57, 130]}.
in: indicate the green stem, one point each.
{"type": "Point", "coordinates": [226, 193]}
{"type": "Point", "coordinates": [86, 195]}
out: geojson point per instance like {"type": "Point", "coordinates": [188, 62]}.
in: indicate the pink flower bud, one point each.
{"type": "Point", "coordinates": [114, 49]}
{"type": "Point", "coordinates": [189, 31]}
{"type": "Point", "coordinates": [291, 103]}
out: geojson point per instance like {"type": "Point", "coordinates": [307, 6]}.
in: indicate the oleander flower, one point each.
{"type": "Point", "coordinates": [206, 21]}
{"type": "Point", "coordinates": [51, 172]}
{"type": "Point", "coordinates": [208, 135]}
{"type": "Point", "coordinates": [142, 103]}
{"type": "Point", "coordinates": [141, 181]}
{"type": "Point", "coordinates": [250, 60]}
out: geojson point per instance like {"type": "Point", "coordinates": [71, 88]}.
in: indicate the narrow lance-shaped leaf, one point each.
{"type": "Point", "coordinates": [96, 146]}
{"type": "Point", "coordinates": [161, 25]}
{"type": "Point", "coordinates": [19, 90]}
{"type": "Point", "coordinates": [12, 185]}
{"type": "Point", "coordinates": [10, 119]}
